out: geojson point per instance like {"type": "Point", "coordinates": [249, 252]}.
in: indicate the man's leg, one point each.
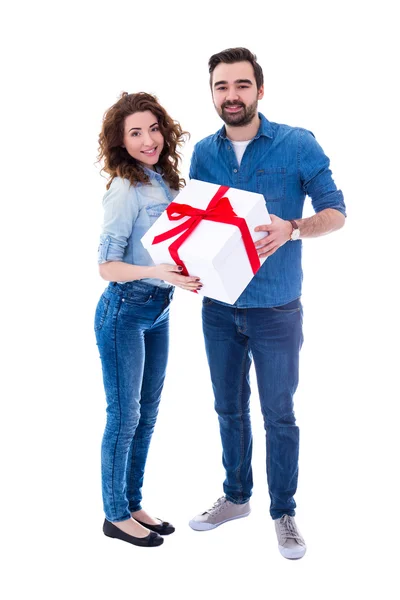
{"type": "Point", "coordinates": [275, 340]}
{"type": "Point", "coordinates": [229, 361]}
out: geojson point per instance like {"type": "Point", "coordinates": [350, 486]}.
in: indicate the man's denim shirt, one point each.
{"type": "Point", "coordinates": [129, 211]}
{"type": "Point", "coordinates": [284, 164]}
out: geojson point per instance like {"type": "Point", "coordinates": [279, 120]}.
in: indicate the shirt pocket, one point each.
{"type": "Point", "coordinates": [272, 183]}
{"type": "Point", "coordinates": [155, 210]}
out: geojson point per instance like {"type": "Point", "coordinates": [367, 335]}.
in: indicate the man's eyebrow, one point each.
{"type": "Point", "coordinates": [248, 81]}
{"type": "Point", "coordinates": [140, 129]}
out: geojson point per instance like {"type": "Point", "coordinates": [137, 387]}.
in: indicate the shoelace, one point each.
{"type": "Point", "coordinates": [216, 506]}
{"type": "Point", "coordinates": [288, 529]}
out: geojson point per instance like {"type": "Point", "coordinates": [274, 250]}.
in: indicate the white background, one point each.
{"type": "Point", "coordinates": [329, 67]}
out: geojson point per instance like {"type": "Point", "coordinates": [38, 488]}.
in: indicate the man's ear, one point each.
{"type": "Point", "coordinates": [261, 93]}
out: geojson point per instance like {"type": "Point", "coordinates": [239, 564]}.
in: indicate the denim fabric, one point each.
{"type": "Point", "coordinates": [131, 325]}
{"type": "Point", "coordinates": [284, 164]}
{"type": "Point", "coordinates": [273, 338]}
{"type": "Point", "coordinates": [129, 211]}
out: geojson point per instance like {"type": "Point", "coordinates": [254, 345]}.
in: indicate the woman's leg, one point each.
{"type": "Point", "coordinates": [156, 355]}
{"type": "Point", "coordinates": [122, 355]}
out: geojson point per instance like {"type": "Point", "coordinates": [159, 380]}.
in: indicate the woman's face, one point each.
{"type": "Point", "coordinates": [142, 137]}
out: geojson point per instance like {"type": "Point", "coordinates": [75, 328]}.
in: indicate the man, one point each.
{"type": "Point", "coordinates": [265, 324]}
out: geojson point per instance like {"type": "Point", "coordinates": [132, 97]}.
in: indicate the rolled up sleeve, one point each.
{"type": "Point", "coordinates": [316, 175]}
{"type": "Point", "coordinates": [120, 213]}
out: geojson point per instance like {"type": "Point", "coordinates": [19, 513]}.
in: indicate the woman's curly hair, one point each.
{"type": "Point", "coordinates": [116, 159]}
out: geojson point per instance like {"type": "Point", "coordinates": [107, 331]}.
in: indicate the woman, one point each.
{"type": "Point", "coordinates": [138, 146]}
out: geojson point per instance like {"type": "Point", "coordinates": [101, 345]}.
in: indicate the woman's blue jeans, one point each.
{"type": "Point", "coordinates": [132, 332]}
{"type": "Point", "coordinates": [272, 337]}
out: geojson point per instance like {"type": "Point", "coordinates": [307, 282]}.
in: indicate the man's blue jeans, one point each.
{"type": "Point", "coordinates": [273, 338]}
{"type": "Point", "coordinates": [131, 325]}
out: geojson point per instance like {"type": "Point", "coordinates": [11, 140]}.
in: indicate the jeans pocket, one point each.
{"type": "Point", "coordinates": [101, 312]}
{"type": "Point", "coordinates": [207, 301]}
{"type": "Point", "coordinates": [290, 307]}
{"type": "Point", "coordinates": [137, 298]}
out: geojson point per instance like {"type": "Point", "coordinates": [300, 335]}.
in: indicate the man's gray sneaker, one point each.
{"type": "Point", "coordinates": [222, 511]}
{"type": "Point", "coordinates": [291, 543]}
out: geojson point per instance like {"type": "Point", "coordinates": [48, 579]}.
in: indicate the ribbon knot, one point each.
{"type": "Point", "coordinates": [219, 210]}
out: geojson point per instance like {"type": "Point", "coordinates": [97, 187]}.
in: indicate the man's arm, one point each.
{"type": "Point", "coordinates": [193, 166]}
{"type": "Point", "coordinates": [317, 182]}
{"type": "Point", "coordinates": [279, 230]}
{"type": "Point", "coordinates": [324, 222]}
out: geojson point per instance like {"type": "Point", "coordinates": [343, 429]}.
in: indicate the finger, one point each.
{"type": "Point", "coordinates": [265, 242]}
{"type": "Point", "coordinates": [262, 240]}
{"type": "Point", "coordinates": [193, 285]}
{"type": "Point", "coordinates": [269, 252]}
{"type": "Point", "coordinates": [174, 268]}
{"type": "Point", "coordinates": [263, 227]}
{"type": "Point", "coordinates": [188, 279]}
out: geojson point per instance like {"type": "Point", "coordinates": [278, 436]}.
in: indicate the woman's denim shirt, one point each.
{"type": "Point", "coordinates": [129, 211]}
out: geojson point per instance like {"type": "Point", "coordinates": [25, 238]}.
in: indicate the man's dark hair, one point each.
{"type": "Point", "coordinates": [233, 55]}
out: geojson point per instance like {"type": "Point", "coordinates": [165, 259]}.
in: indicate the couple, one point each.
{"type": "Point", "coordinates": [139, 148]}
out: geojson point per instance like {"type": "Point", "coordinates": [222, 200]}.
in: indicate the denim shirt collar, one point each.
{"type": "Point", "coordinates": [264, 129]}
{"type": "Point", "coordinates": [153, 175]}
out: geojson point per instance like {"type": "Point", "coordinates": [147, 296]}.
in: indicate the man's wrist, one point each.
{"type": "Point", "coordinates": [295, 232]}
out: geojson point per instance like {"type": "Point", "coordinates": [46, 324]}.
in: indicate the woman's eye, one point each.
{"type": "Point", "coordinates": [135, 134]}
{"type": "Point", "coordinates": [156, 129]}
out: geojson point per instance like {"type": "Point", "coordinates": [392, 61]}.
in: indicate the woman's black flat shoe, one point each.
{"type": "Point", "coordinates": [163, 529]}
{"type": "Point", "coordinates": [153, 539]}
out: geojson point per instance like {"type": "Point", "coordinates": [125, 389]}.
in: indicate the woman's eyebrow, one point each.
{"type": "Point", "coordinates": [140, 129]}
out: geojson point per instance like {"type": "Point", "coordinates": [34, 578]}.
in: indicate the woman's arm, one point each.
{"type": "Point", "coordinates": [121, 271]}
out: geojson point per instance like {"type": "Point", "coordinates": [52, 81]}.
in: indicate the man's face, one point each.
{"type": "Point", "coordinates": [235, 93]}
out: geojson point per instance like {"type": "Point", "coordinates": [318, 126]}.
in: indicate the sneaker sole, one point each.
{"type": "Point", "coordinates": [197, 526]}
{"type": "Point", "coordinates": [292, 554]}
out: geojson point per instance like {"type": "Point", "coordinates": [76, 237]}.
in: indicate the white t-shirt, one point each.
{"type": "Point", "coordinates": [239, 148]}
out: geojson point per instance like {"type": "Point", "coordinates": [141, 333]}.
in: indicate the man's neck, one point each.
{"type": "Point", "coordinates": [242, 134]}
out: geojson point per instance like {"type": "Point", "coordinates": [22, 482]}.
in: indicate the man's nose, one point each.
{"type": "Point", "coordinates": [232, 95]}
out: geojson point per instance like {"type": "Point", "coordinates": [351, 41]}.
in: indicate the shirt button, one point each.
{"type": "Point", "coordinates": [235, 170]}
{"type": "Point", "coordinates": [229, 147]}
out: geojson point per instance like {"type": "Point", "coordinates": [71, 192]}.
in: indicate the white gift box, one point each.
{"type": "Point", "coordinates": [214, 251]}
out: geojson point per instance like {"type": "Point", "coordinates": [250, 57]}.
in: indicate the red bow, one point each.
{"type": "Point", "coordinates": [219, 210]}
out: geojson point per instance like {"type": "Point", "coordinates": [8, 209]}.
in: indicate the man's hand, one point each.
{"type": "Point", "coordinates": [279, 232]}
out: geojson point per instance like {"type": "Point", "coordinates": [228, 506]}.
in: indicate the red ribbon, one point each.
{"type": "Point", "coordinates": [219, 210]}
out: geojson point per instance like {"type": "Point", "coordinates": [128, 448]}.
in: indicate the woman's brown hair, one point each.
{"type": "Point", "coordinates": [118, 162]}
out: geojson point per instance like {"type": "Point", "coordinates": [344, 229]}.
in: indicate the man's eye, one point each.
{"type": "Point", "coordinates": [220, 89]}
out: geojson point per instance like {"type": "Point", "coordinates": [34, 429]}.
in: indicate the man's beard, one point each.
{"type": "Point", "coordinates": [241, 118]}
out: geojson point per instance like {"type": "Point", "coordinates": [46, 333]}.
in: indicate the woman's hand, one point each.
{"type": "Point", "coordinates": [171, 274]}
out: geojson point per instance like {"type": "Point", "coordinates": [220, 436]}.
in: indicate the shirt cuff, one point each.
{"type": "Point", "coordinates": [110, 249]}
{"type": "Point", "coordinates": [331, 200]}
